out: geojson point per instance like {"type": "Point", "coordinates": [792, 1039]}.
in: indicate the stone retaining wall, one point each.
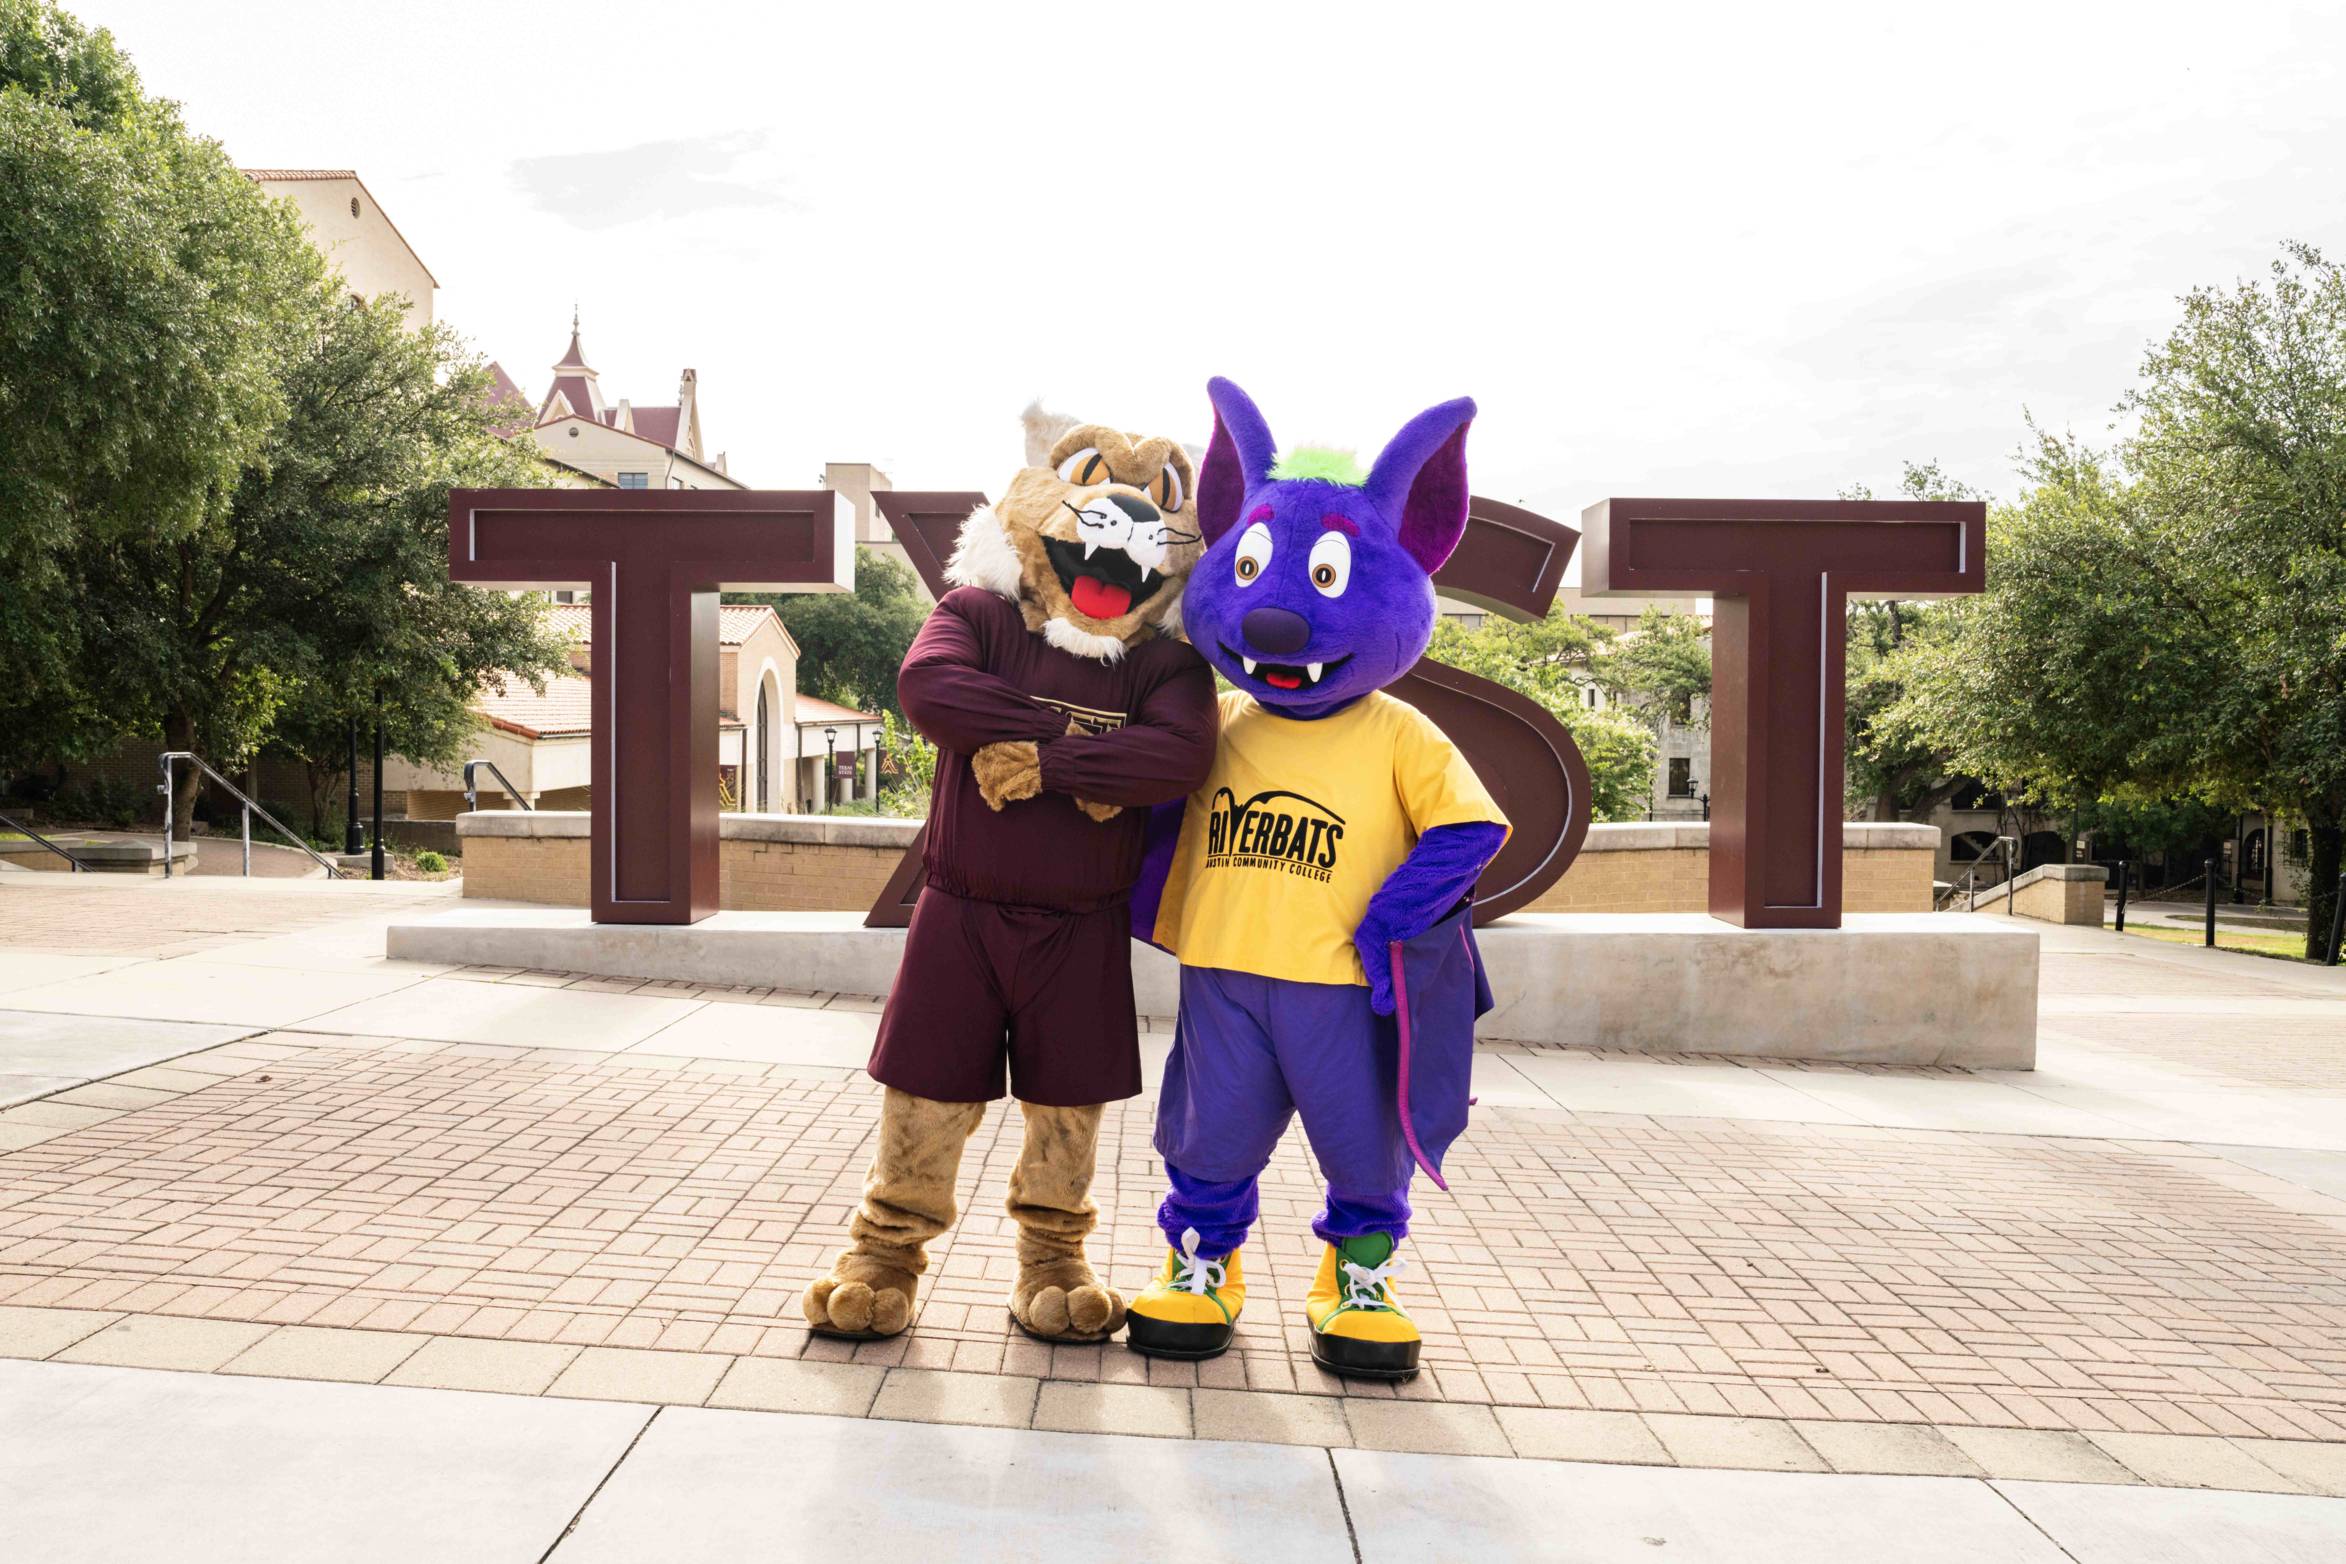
{"type": "Point", "coordinates": [2069, 893]}
{"type": "Point", "coordinates": [813, 863]}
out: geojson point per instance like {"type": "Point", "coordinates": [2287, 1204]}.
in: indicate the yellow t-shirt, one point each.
{"type": "Point", "coordinates": [1298, 825]}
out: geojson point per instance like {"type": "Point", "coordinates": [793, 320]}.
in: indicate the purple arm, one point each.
{"type": "Point", "coordinates": [1436, 875]}
{"type": "Point", "coordinates": [1156, 866]}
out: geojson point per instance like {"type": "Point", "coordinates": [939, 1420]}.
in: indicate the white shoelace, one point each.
{"type": "Point", "coordinates": [1364, 1285]}
{"type": "Point", "coordinates": [1195, 1275]}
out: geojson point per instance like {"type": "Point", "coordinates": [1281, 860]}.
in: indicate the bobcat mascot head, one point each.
{"type": "Point", "coordinates": [1094, 544]}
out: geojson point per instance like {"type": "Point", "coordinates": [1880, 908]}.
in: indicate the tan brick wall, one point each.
{"type": "Point", "coordinates": [815, 877]}
{"type": "Point", "coordinates": [520, 868]}
{"type": "Point", "coordinates": [1665, 879]}
{"type": "Point", "coordinates": [1892, 879]}
{"type": "Point", "coordinates": [751, 876]}
{"type": "Point", "coordinates": [1677, 879]}
{"type": "Point", "coordinates": [2056, 901]}
{"type": "Point", "coordinates": [802, 876]}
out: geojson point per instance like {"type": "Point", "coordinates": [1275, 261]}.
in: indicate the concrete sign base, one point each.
{"type": "Point", "coordinates": [1884, 988]}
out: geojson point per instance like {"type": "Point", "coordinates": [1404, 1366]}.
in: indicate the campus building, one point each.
{"type": "Point", "coordinates": [653, 446]}
{"type": "Point", "coordinates": [778, 752]}
{"type": "Point", "coordinates": [354, 233]}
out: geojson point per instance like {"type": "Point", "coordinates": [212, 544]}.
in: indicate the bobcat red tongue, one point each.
{"type": "Point", "coordinates": [1100, 599]}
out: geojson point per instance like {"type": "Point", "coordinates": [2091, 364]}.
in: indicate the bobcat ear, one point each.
{"type": "Point", "coordinates": [1238, 457]}
{"type": "Point", "coordinates": [1420, 477]}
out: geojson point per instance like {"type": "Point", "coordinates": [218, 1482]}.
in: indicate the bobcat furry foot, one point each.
{"type": "Point", "coordinates": [860, 1300]}
{"type": "Point", "coordinates": [1061, 1300]}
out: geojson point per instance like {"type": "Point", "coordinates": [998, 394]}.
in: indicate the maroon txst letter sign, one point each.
{"type": "Point", "coordinates": [654, 561]}
{"type": "Point", "coordinates": [1781, 572]}
{"type": "Point", "coordinates": [1509, 561]}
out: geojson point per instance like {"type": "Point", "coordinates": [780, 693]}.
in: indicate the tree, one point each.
{"type": "Point", "coordinates": [1550, 660]}
{"type": "Point", "coordinates": [2171, 623]}
{"type": "Point", "coordinates": [1663, 666]}
{"type": "Point", "coordinates": [2242, 457]}
{"type": "Point", "coordinates": [149, 297]}
{"type": "Point", "coordinates": [850, 644]}
{"type": "Point", "coordinates": [323, 582]}
{"type": "Point", "coordinates": [389, 421]}
{"type": "Point", "coordinates": [1892, 774]}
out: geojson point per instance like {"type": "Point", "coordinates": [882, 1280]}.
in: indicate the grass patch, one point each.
{"type": "Point", "coordinates": [2282, 946]}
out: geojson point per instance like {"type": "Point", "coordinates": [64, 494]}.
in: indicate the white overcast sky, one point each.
{"type": "Point", "coordinates": [1749, 249]}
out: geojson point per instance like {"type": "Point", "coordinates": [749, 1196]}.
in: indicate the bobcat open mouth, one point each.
{"type": "Point", "coordinates": [1285, 676]}
{"type": "Point", "coordinates": [1100, 579]}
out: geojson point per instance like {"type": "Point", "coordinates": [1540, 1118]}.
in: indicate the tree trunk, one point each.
{"type": "Point", "coordinates": [179, 733]}
{"type": "Point", "coordinates": [2321, 890]}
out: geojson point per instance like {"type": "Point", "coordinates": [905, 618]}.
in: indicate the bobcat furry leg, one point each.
{"type": "Point", "coordinates": [907, 1200]}
{"type": "Point", "coordinates": [1057, 1296]}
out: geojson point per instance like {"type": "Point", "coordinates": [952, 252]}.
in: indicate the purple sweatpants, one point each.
{"type": "Point", "coordinates": [1249, 1054]}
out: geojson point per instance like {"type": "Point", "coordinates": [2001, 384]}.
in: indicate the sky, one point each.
{"type": "Point", "coordinates": [1744, 250]}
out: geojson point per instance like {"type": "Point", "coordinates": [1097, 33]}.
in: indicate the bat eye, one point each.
{"type": "Point", "coordinates": [1166, 491]}
{"type": "Point", "coordinates": [1085, 467]}
{"type": "Point", "coordinates": [1331, 564]}
{"type": "Point", "coordinates": [1254, 554]}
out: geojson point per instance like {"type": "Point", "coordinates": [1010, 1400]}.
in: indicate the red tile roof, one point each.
{"type": "Point", "coordinates": [812, 712]}
{"type": "Point", "coordinates": [565, 708]}
{"type": "Point", "coordinates": [659, 423]}
{"type": "Point", "coordinates": [579, 393]}
{"type": "Point", "coordinates": [506, 398]}
{"type": "Point", "coordinates": [736, 622]}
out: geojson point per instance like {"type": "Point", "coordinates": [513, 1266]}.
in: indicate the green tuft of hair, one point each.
{"type": "Point", "coordinates": [1322, 464]}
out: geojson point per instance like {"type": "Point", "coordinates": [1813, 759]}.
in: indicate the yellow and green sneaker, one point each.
{"type": "Point", "coordinates": [1191, 1310]}
{"type": "Point", "coordinates": [1357, 1327]}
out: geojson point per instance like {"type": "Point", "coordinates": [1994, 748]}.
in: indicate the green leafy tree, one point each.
{"type": "Point", "coordinates": [1663, 667]}
{"type": "Point", "coordinates": [1551, 661]}
{"type": "Point", "coordinates": [323, 584]}
{"type": "Point", "coordinates": [2170, 623]}
{"type": "Point", "coordinates": [1893, 775]}
{"type": "Point", "coordinates": [913, 768]}
{"type": "Point", "coordinates": [150, 296]}
{"type": "Point", "coordinates": [850, 644]}
{"type": "Point", "coordinates": [2241, 454]}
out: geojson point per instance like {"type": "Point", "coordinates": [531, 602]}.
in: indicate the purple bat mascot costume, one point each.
{"type": "Point", "coordinates": [1328, 857]}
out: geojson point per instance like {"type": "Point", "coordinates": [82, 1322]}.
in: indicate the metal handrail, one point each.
{"type": "Point", "coordinates": [250, 809]}
{"type": "Point", "coordinates": [1968, 892]}
{"type": "Point", "coordinates": [15, 824]}
{"type": "Point", "coordinates": [472, 794]}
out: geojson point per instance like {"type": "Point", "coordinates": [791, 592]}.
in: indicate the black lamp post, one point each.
{"type": "Point", "coordinates": [375, 867]}
{"type": "Point", "coordinates": [830, 766]}
{"type": "Point", "coordinates": [353, 842]}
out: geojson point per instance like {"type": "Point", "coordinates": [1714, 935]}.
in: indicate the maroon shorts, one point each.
{"type": "Point", "coordinates": [983, 984]}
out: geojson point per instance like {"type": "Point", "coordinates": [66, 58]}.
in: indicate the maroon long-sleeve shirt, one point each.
{"type": "Point", "coordinates": [977, 676]}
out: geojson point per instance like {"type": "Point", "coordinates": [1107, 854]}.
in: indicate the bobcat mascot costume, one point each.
{"type": "Point", "coordinates": [1062, 707]}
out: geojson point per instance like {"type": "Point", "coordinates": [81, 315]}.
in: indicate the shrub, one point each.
{"type": "Point", "coordinates": [109, 802]}
{"type": "Point", "coordinates": [429, 862]}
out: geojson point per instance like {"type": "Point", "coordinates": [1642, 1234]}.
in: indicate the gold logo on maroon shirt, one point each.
{"type": "Point", "coordinates": [1089, 718]}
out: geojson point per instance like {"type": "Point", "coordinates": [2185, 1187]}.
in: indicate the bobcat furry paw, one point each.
{"type": "Point", "coordinates": [1007, 772]}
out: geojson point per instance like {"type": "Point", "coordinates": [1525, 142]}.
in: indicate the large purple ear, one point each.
{"type": "Point", "coordinates": [1420, 476]}
{"type": "Point", "coordinates": [1238, 457]}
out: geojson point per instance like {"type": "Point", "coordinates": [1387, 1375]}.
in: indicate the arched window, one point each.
{"type": "Point", "coordinates": [758, 747]}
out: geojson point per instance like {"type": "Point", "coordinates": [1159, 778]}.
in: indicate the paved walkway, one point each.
{"type": "Point", "coordinates": [246, 1145]}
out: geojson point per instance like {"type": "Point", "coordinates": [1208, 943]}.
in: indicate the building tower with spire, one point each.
{"type": "Point", "coordinates": [631, 447]}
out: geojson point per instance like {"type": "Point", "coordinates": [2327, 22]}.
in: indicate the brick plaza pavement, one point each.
{"type": "Point", "coordinates": [1691, 1261]}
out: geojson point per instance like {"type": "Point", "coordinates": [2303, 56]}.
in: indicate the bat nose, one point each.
{"type": "Point", "coordinates": [1140, 510]}
{"type": "Point", "coordinates": [1275, 630]}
